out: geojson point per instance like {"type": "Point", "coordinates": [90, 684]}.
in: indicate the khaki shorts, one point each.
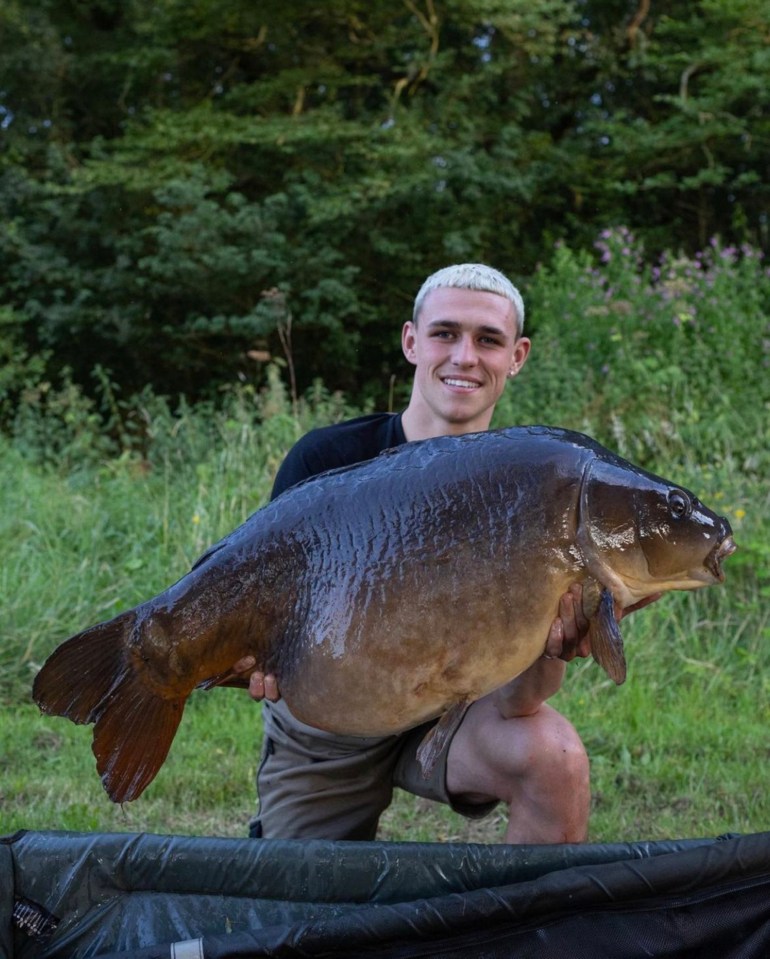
{"type": "Point", "coordinates": [315, 785]}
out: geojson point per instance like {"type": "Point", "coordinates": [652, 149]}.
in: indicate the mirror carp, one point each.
{"type": "Point", "coordinates": [391, 592]}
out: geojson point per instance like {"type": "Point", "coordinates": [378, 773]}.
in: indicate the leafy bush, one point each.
{"type": "Point", "coordinates": [659, 361]}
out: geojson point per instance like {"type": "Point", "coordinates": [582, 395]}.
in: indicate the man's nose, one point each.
{"type": "Point", "coordinates": [464, 353]}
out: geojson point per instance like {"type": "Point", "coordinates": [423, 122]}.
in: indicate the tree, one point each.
{"type": "Point", "coordinates": [167, 166]}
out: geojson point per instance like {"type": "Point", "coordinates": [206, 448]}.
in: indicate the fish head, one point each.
{"type": "Point", "coordinates": [646, 535]}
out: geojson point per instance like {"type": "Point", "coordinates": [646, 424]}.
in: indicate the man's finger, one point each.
{"type": "Point", "coordinates": [576, 626]}
{"type": "Point", "coordinates": [555, 642]}
{"type": "Point", "coordinates": [641, 604]}
{"type": "Point", "coordinates": [581, 623]}
{"type": "Point", "coordinates": [271, 688]}
{"type": "Point", "coordinates": [583, 648]}
{"type": "Point", "coordinates": [245, 665]}
{"type": "Point", "coordinates": [257, 686]}
{"type": "Point", "coordinates": [567, 616]}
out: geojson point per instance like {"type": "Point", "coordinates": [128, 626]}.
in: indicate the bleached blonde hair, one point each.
{"type": "Point", "coordinates": [472, 276]}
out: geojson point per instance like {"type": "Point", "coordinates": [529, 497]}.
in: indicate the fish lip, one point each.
{"type": "Point", "coordinates": [713, 561]}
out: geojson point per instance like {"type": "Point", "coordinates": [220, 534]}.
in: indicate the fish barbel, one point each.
{"type": "Point", "coordinates": [385, 594]}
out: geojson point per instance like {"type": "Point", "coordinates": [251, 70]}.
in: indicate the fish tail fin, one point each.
{"type": "Point", "coordinates": [78, 676]}
{"type": "Point", "coordinates": [132, 737]}
{"type": "Point", "coordinates": [90, 678]}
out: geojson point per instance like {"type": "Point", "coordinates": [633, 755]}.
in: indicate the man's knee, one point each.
{"type": "Point", "coordinates": [549, 797]}
{"type": "Point", "coordinates": [557, 756]}
{"type": "Point", "coordinates": [537, 755]}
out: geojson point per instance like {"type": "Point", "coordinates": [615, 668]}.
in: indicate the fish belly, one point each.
{"type": "Point", "coordinates": [383, 675]}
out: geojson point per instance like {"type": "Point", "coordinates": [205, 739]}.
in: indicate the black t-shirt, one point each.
{"type": "Point", "coordinates": [342, 444]}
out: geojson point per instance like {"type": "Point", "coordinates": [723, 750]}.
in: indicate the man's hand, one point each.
{"type": "Point", "coordinates": [261, 685]}
{"type": "Point", "coordinates": [567, 638]}
{"type": "Point", "coordinates": [568, 635]}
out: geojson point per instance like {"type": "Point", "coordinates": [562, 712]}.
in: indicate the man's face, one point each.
{"type": "Point", "coordinates": [464, 346]}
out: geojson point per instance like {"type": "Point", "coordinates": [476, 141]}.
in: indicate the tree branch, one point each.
{"type": "Point", "coordinates": [639, 17]}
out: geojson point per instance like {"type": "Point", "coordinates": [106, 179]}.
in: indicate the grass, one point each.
{"type": "Point", "coordinates": [678, 751]}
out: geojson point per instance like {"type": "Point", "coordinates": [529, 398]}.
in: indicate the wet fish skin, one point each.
{"type": "Point", "coordinates": [389, 592]}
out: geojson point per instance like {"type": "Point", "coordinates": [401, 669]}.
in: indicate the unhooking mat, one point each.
{"type": "Point", "coordinates": [128, 896]}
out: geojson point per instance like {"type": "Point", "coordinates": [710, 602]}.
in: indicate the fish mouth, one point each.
{"type": "Point", "coordinates": [713, 561]}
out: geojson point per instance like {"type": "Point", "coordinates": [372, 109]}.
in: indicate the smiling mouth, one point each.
{"type": "Point", "coordinates": [461, 384]}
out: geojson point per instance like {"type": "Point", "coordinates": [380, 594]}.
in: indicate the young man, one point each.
{"type": "Point", "coordinates": [465, 341]}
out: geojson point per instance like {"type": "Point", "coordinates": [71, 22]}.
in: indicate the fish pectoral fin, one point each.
{"type": "Point", "coordinates": [606, 639]}
{"type": "Point", "coordinates": [229, 678]}
{"type": "Point", "coordinates": [592, 597]}
{"type": "Point", "coordinates": [438, 737]}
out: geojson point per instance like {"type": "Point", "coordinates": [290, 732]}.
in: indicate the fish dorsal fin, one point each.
{"type": "Point", "coordinates": [438, 737]}
{"type": "Point", "coordinates": [606, 639]}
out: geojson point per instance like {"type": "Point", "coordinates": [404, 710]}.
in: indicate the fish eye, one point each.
{"type": "Point", "coordinates": [679, 504]}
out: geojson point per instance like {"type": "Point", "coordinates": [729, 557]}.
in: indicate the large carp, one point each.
{"type": "Point", "coordinates": [387, 593]}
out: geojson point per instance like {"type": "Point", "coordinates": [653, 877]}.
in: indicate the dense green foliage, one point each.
{"type": "Point", "coordinates": [183, 184]}
{"type": "Point", "coordinates": [657, 360]}
{"type": "Point", "coordinates": [667, 364]}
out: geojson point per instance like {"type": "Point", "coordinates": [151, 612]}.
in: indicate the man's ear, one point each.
{"type": "Point", "coordinates": [520, 354]}
{"type": "Point", "coordinates": [408, 341]}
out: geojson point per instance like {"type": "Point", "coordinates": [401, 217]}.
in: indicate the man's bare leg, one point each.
{"type": "Point", "coordinates": [536, 764]}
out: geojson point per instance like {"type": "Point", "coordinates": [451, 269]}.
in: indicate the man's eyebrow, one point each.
{"type": "Point", "coordinates": [457, 325]}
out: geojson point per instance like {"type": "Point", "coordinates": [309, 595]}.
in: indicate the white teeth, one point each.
{"type": "Point", "coordinates": [465, 384]}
